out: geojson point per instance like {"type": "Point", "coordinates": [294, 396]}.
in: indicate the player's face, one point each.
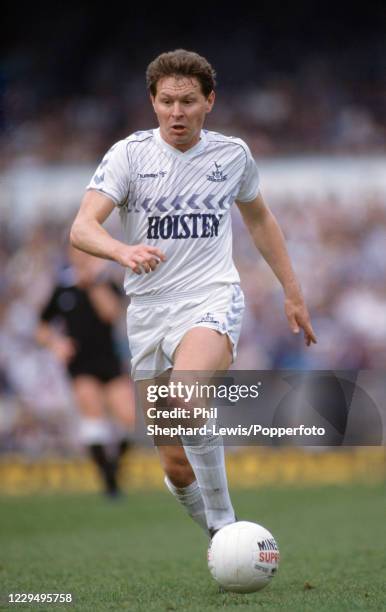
{"type": "Point", "coordinates": [181, 108]}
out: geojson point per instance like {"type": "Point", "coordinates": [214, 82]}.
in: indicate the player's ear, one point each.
{"type": "Point", "coordinates": [152, 100]}
{"type": "Point", "coordinates": [210, 101]}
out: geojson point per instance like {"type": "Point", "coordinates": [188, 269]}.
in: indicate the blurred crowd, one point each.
{"type": "Point", "coordinates": [312, 111]}
{"type": "Point", "coordinates": [287, 80]}
{"type": "Point", "coordinates": [338, 249]}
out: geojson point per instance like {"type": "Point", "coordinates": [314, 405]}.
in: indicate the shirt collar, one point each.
{"type": "Point", "coordinates": [197, 148]}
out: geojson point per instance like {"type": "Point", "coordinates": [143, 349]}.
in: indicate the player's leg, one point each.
{"type": "Point", "coordinates": [120, 400]}
{"type": "Point", "coordinates": [181, 482]}
{"type": "Point", "coordinates": [180, 479]}
{"type": "Point", "coordinates": [206, 350]}
{"type": "Point", "coordinates": [203, 349]}
{"type": "Point", "coordinates": [94, 429]}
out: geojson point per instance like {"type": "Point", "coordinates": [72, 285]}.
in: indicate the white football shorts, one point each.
{"type": "Point", "coordinates": [157, 324]}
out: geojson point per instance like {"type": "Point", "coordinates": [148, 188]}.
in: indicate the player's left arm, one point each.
{"type": "Point", "coordinates": [269, 240]}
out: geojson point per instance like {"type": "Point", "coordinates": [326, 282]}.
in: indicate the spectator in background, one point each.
{"type": "Point", "coordinates": [77, 325]}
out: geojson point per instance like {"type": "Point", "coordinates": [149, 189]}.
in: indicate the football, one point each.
{"type": "Point", "coordinates": [243, 557]}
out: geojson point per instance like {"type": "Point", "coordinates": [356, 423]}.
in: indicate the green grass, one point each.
{"type": "Point", "coordinates": [144, 554]}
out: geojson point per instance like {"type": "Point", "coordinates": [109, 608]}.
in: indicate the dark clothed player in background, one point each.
{"type": "Point", "coordinates": [77, 324]}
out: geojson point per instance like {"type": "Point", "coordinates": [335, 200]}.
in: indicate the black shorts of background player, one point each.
{"type": "Point", "coordinates": [77, 324]}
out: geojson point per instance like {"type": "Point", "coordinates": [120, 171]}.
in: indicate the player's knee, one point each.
{"type": "Point", "coordinates": [177, 467]}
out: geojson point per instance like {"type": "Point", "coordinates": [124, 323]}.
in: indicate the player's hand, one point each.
{"type": "Point", "coordinates": [298, 318]}
{"type": "Point", "coordinates": [141, 258]}
{"type": "Point", "coordinates": [63, 348]}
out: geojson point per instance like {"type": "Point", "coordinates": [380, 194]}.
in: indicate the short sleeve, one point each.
{"type": "Point", "coordinates": [112, 177]}
{"type": "Point", "coordinates": [250, 181]}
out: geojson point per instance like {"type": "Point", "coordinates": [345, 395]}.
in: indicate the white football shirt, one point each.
{"type": "Point", "coordinates": [179, 202]}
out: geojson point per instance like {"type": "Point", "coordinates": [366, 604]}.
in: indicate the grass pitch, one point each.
{"type": "Point", "coordinates": [143, 553]}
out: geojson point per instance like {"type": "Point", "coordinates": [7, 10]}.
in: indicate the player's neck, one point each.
{"type": "Point", "coordinates": [183, 147]}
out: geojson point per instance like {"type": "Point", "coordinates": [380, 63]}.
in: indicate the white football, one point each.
{"type": "Point", "coordinates": [243, 557]}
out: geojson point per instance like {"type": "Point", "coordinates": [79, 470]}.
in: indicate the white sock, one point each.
{"type": "Point", "coordinates": [190, 497]}
{"type": "Point", "coordinates": [94, 431]}
{"type": "Point", "coordinates": [206, 456]}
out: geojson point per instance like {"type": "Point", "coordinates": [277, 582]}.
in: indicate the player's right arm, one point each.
{"type": "Point", "coordinates": [89, 235]}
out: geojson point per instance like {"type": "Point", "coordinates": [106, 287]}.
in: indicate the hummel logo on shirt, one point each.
{"type": "Point", "coordinates": [161, 173]}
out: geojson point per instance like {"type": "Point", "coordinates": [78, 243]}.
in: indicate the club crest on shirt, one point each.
{"type": "Point", "coordinates": [217, 175]}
